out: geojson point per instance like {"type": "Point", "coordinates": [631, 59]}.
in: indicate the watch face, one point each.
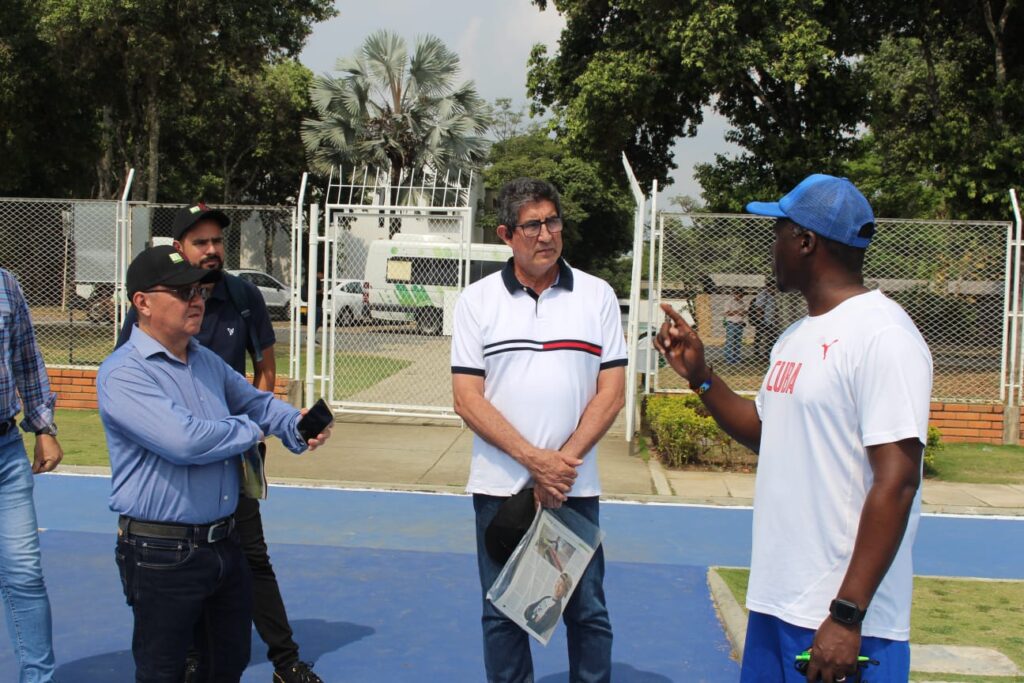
{"type": "Point", "coordinates": [846, 612]}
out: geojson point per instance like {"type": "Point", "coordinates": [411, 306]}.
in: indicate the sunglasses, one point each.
{"type": "Point", "coordinates": [186, 293]}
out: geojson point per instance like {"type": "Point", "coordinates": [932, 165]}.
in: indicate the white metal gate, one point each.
{"type": "Point", "coordinates": [391, 273]}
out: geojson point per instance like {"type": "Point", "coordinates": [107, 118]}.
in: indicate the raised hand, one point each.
{"type": "Point", "coordinates": [681, 347]}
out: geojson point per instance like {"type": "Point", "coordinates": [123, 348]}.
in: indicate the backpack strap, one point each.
{"type": "Point", "coordinates": [239, 295]}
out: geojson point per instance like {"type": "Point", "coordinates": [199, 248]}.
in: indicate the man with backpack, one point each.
{"type": "Point", "coordinates": [236, 323]}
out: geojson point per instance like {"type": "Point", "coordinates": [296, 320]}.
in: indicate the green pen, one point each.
{"type": "Point", "coordinates": [805, 657]}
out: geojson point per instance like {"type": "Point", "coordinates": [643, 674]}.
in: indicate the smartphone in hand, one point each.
{"type": "Point", "coordinates": [315, 421]}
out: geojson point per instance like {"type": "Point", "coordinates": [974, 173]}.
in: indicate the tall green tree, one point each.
{"type": "Point", "coordinates": [238, 142]}
{"type": "Point", "coordinates": [396, 110]}
{"type": "Point", "coordinates": [921, 101]}
{"type": "Point", "coordinates": [946, 120]}
{"type": "Point", "coordinates": [137, 59]}
{"type": "Point", "coordinates": [633, 75]}
{"type": "Point", "coordinates": [46, 148]}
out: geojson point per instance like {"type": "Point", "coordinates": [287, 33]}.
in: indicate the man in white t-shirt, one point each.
{"type": "Point", "coordinates": [538, 374]}
{"type": "Point", "coordinates": [839, 424]}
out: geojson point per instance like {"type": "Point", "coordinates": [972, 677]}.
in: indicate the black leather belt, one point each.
{"type": "Point", "coordinates": [198, 533]}
{"type": "Point", "coordinates": [7, 425]}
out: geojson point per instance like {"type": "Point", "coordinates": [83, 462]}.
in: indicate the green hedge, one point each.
{"type": "Point", "coordinates": [933, 446]}
{"type": "Point", "coordinates": [682, 430]}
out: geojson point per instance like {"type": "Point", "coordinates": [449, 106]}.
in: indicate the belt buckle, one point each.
{"type": "Point", "coordinates": [212, 530]}
{"type": "Point", "coordinates": [219, 531]}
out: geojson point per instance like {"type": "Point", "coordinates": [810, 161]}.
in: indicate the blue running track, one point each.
{"type": "Point", "coordinates": [383, 587]}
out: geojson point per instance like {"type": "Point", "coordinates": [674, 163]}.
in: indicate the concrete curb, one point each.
{"type": "Point", "coordinates": [730, 612]}
{"type": "Point", "coordinates": [658, 478]}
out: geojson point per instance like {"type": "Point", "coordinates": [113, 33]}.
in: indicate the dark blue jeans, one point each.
{"type": "Point", "coordinates": [176, 588]}
{"type": "Point", "coordinates": [587, 627]}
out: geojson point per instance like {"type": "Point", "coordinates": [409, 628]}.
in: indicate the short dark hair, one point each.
{"type": "Point", "coordinates": [850, 258]}
{"type": "Point", "coordinates": [517, 193]}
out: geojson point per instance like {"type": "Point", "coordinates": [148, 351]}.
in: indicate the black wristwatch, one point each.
{"type": "Point", "coordinates": [846, 612]}
{"type": "Point", "coordinates": [50, 429]}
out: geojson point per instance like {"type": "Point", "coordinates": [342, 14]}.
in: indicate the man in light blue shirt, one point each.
{"type": "Point", "coordinates": [176, 418]}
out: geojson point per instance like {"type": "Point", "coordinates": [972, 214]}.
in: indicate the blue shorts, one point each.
{"type": "Point", "coordinates": [772, 645]}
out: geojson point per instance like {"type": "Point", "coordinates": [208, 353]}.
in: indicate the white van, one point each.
{"type": "Point", "coordinates": [416, 278]}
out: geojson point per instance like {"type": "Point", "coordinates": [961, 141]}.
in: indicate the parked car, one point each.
{"type": "Point", "coordinates": [276, 294]}
{"type": "Point", "coordinates": [348, 303]}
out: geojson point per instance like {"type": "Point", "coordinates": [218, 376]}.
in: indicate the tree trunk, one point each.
{"type": "Point", "coordinates": [997, 29]}
{"type": "Point", "coordinates": [153, 137]}
{"type": "Point", "coordinates": [395, 222]}
{"type": "Point", "coordinates": [105, 163]}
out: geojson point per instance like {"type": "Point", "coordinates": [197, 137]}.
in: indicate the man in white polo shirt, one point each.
{"type": "Point", "coordinates": [538, 360]}
{"type": "Point", "coordinates": [839, 426]}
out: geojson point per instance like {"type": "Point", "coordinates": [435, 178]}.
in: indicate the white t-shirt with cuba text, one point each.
{"type": "Point", "coordinates": [859, 375]}
{"type": "Point", "coordinates": [540, 357]}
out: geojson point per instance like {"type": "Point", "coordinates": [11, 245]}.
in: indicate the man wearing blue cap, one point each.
{"type": "Point", "coordinates": [839, 425]}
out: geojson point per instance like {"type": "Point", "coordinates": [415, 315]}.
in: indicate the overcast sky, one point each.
{"type": "Point", "coordinates": [493, 40]}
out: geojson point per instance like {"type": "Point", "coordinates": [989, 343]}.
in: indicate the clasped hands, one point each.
{"type": "Point", "coordinates": [554, 473]}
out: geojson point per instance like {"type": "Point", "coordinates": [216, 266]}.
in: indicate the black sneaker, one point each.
{"type": "Point", "coordinates": [191, 670]}
{"type": "Point", "coordinates": [299, 672]}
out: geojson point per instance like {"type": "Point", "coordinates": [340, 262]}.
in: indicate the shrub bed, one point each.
{"type": "Point", "coordinates": [684, 434]}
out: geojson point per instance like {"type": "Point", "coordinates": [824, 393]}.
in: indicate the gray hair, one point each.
{"type": "Point", "coordinates": [517, 193]}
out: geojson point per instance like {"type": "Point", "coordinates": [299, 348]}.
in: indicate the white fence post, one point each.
{"type": "Point", "coordinates": [634, 299]}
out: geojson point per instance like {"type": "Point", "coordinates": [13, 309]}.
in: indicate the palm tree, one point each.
{"type": "Point", "coordinates": [393, 110]}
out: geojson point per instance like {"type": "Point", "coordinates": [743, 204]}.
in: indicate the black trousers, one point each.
{"type": "Point", "coordinates": [268, 613]}
{"type": "Point", "coordinates": [177, 588]}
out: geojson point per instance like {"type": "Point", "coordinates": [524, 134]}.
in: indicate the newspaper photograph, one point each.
{"type": "Point", "coordinates": [540, 576]}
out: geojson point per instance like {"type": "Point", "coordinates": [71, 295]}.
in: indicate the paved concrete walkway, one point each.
{"type": "Point", "coordinates": [398, 455]}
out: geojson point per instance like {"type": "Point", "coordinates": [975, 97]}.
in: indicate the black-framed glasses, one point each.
{"type": "Point", "coordinates": [532, 228]}
{"type": "Point", "coordinates": [185, 293]}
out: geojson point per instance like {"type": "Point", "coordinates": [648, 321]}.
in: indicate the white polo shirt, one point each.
{"type": "Point", "coordinates": [540, 357]}
{"type": "Point", "coordinates": [859, 375]}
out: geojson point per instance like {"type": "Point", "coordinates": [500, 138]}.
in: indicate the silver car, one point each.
{"type": "Point", "coordinates": [276, 294]}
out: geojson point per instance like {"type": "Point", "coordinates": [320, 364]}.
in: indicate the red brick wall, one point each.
{"type": "Point", "coordinates": [77, 388]}
{"type": "Point", "coordinates": [969, 422]}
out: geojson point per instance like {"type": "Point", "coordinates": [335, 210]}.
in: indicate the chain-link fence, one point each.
{"type": "Point", "coordinates": [64, 254]}
{"type": "Point", "coordinates": [949, 276]}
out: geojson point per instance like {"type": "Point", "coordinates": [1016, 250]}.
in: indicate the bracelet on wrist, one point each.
{"type": "Point", "coordinates": [702, 387]}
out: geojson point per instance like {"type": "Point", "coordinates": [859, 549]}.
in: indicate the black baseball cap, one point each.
{"type": "Point", "coordinates": [163, 265]}
{"type": "Point", "coordinates": [190, 215]}
{"type": "Point", "coordinates": [509, 525]}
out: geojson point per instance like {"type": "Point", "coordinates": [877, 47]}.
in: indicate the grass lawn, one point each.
{"type": "Point", "coordinates": [353, 372]}
{"type": "Point", "coordinates": [973, 463]}
{"type": "Point", "coordinates": [81, 437]}
{"type": "Point", "coordinates": [952, 612]}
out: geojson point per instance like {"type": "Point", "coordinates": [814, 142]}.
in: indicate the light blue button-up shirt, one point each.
{"type": "Point", "coordinates": [175, 430]}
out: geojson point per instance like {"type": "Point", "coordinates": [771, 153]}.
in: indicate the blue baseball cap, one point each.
{"type": "Point", "coordinates": [829, 206]}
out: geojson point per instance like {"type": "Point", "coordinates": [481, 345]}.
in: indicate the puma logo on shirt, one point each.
{"type": "Point", "coordinates": [826, 347]}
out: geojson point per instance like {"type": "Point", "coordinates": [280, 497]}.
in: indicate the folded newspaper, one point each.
{"type": "Point", "coordinates": [544, 569]}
